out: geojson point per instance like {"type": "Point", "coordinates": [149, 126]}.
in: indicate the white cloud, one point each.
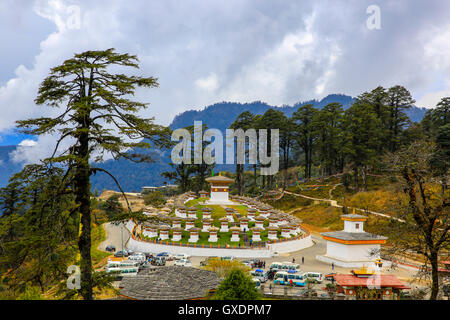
{"type": "Point", "coordinates": [27, 143]}
{"type": "Point", "coordinates": [241, 50]}
{"type": "Point", "coordinates": [430, 100]}
{"type": "Point", "coordinates": [209, 83]}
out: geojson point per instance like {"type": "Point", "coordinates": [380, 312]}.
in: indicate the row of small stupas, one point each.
{"type": "Point", "coordinates": [257, 212]}
{"type": "Point", "coordinates": [151, 230]}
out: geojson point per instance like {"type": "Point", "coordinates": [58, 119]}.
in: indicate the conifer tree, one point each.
{"type": "Point", "coordinates": [97, 116]}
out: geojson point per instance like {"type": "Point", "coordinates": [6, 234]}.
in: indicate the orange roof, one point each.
{"type": "Point", "coordinates": [381, 280]}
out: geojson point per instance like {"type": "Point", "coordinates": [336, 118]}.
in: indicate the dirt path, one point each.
{"type": "Point", "coordinates": [334, 203]}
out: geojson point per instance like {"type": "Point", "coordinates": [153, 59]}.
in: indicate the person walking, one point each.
{"type": "Point", "coordinates": [332, 266]}
{"type": "Point", "coordinates": [293, 260]}
{"type": "Point", "coordinates": [303, 260]}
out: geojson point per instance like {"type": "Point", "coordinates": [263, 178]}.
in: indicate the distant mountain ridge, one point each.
{"type": "Point", "coordinates": [133, 176]}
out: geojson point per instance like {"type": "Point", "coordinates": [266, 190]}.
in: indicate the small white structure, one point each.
{"type": "Point", "coordinates": [203, 194]}
{"type": "Point", "coordinates": [176, 234]}
{"type": "Point", "coordinates": [206, 224]}
{"type": "Point", "coordinates": [283, 220]}
{"type": "Point", "coordinates": [263, 211]}
{"type": "Point", "coordinates": [352, 247]}
{"type": "Point", "coordinates": [164, 233]}
{"type": "Point", "coordinates": [219, 190]}
{"type": "Point", "coordinates": [229, 214]}
{"type": "Point", "coordinates": [180, 211]}
{"type": "Point", "coordinates": [251, 214]}
{"type": "Point", "coordinates": [193, 234]}
{"type": "Point", "coordinates": [256, 234]}
{"type": "Point", "coordinates": [192, 212]}
{"type": "Point", "coordinates": [243, 223]}
{"type": "Point", "coordinates": [189, 223]}
{"type": "Point", "coordinates": [213, 234]}
{"type": "Point", "coordinates": [273, 221]}
{"type": "Point", "coordinates": [235, 234]}
{"type": "Point", "coordinates": [150, 231]}
{"type": "Point", "coordinates": [206, 213]}
{"type": "Point", "coordinates": [176, 222]}
{"type": "Point", "coordinates": [273, 233]}
{"type": "Point", "coordinates": [259, 222]}
{"type": "Point", "coordinates": [224, 224]}
{"type": "Point", "coordinates": [286, 231]}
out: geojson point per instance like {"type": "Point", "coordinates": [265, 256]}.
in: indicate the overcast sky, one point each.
{"type": "Point", "coordinates": [203, 52]}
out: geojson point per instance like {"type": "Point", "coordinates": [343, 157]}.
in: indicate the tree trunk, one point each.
{"type": "Point", "coordinates": [434, 275]}
{"type": "Point", "coordinates": [82, 189]}
{"type": "Point", "coordinates": [364, 176]}
{"type": "Point", "coordinates": [356, 180]}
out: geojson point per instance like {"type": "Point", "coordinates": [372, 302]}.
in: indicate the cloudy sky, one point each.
{"type": "Point", "coordinates": [203, 52]}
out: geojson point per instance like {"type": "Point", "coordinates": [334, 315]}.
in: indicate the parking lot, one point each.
{"type": "Point", "coordinates": [310, 263]}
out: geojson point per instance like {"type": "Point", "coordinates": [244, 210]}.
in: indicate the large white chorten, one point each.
{"type": "Point", "coordinates": [352, 247]}
{"type": "Point", "coordinates": [219, 190]}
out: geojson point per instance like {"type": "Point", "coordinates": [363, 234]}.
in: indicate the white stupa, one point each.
{"type": "Point", "coordinates": [219, 190]}
{"type": "Point", "coordinates": [352, 247]}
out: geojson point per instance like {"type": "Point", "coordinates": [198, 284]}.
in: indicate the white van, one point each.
{"type": "Point", "coordinates": [129, 271]}
{"type": "Point", "coordinates": [124, 263]}
{"type": "Point", "coordinates": [290, 266]}
{"type": "Point", "coordinates": [313, 276]}
{"type": "Point", "coordinates": [276, 266]}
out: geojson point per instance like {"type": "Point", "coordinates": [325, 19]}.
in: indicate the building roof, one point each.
{"type": "Point", "coordinates": [353, 236]}
{"type": "Point", "coordinates": [381, 280]}
{"type": "Point", "coordinates": [170, 283]}
{"type": "Point", "coordinates": [353, 217]}
{"type": "Point", "coordinates": [219, 179]}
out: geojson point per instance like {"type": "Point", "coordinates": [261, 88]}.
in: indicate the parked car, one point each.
{"type": "Point", "coordinates": [181, 256]}
{"type": "Point", "coordinates": [110, 248]}
{"type": "Point", "coordinates": [260, 274]}
{"type": "Point", "coordinates": [207, 260]}
{"type": "Point", "coordinates": [271, 274]}
{"type": "Point", "coordinates": [257, 283]}
{"type": "Point", "coordinates": [130, 252]}
{"type": "Point", "coordinates": [137, 257]}
{"type": "Point", "coordinates": [229, 258]}
{"type": "Point", "coordinates": [166, 255]}
{"type": "Point", "coordinates": [330, 276]}
{"type": "Point", "coordinates": [248, 263]}
{"type": "Point", "coordinates": [183, 263]}
{"type": "Point", "coordinates": [121, 254]}
{"type": "Point", "coordinates": [158, 261]}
